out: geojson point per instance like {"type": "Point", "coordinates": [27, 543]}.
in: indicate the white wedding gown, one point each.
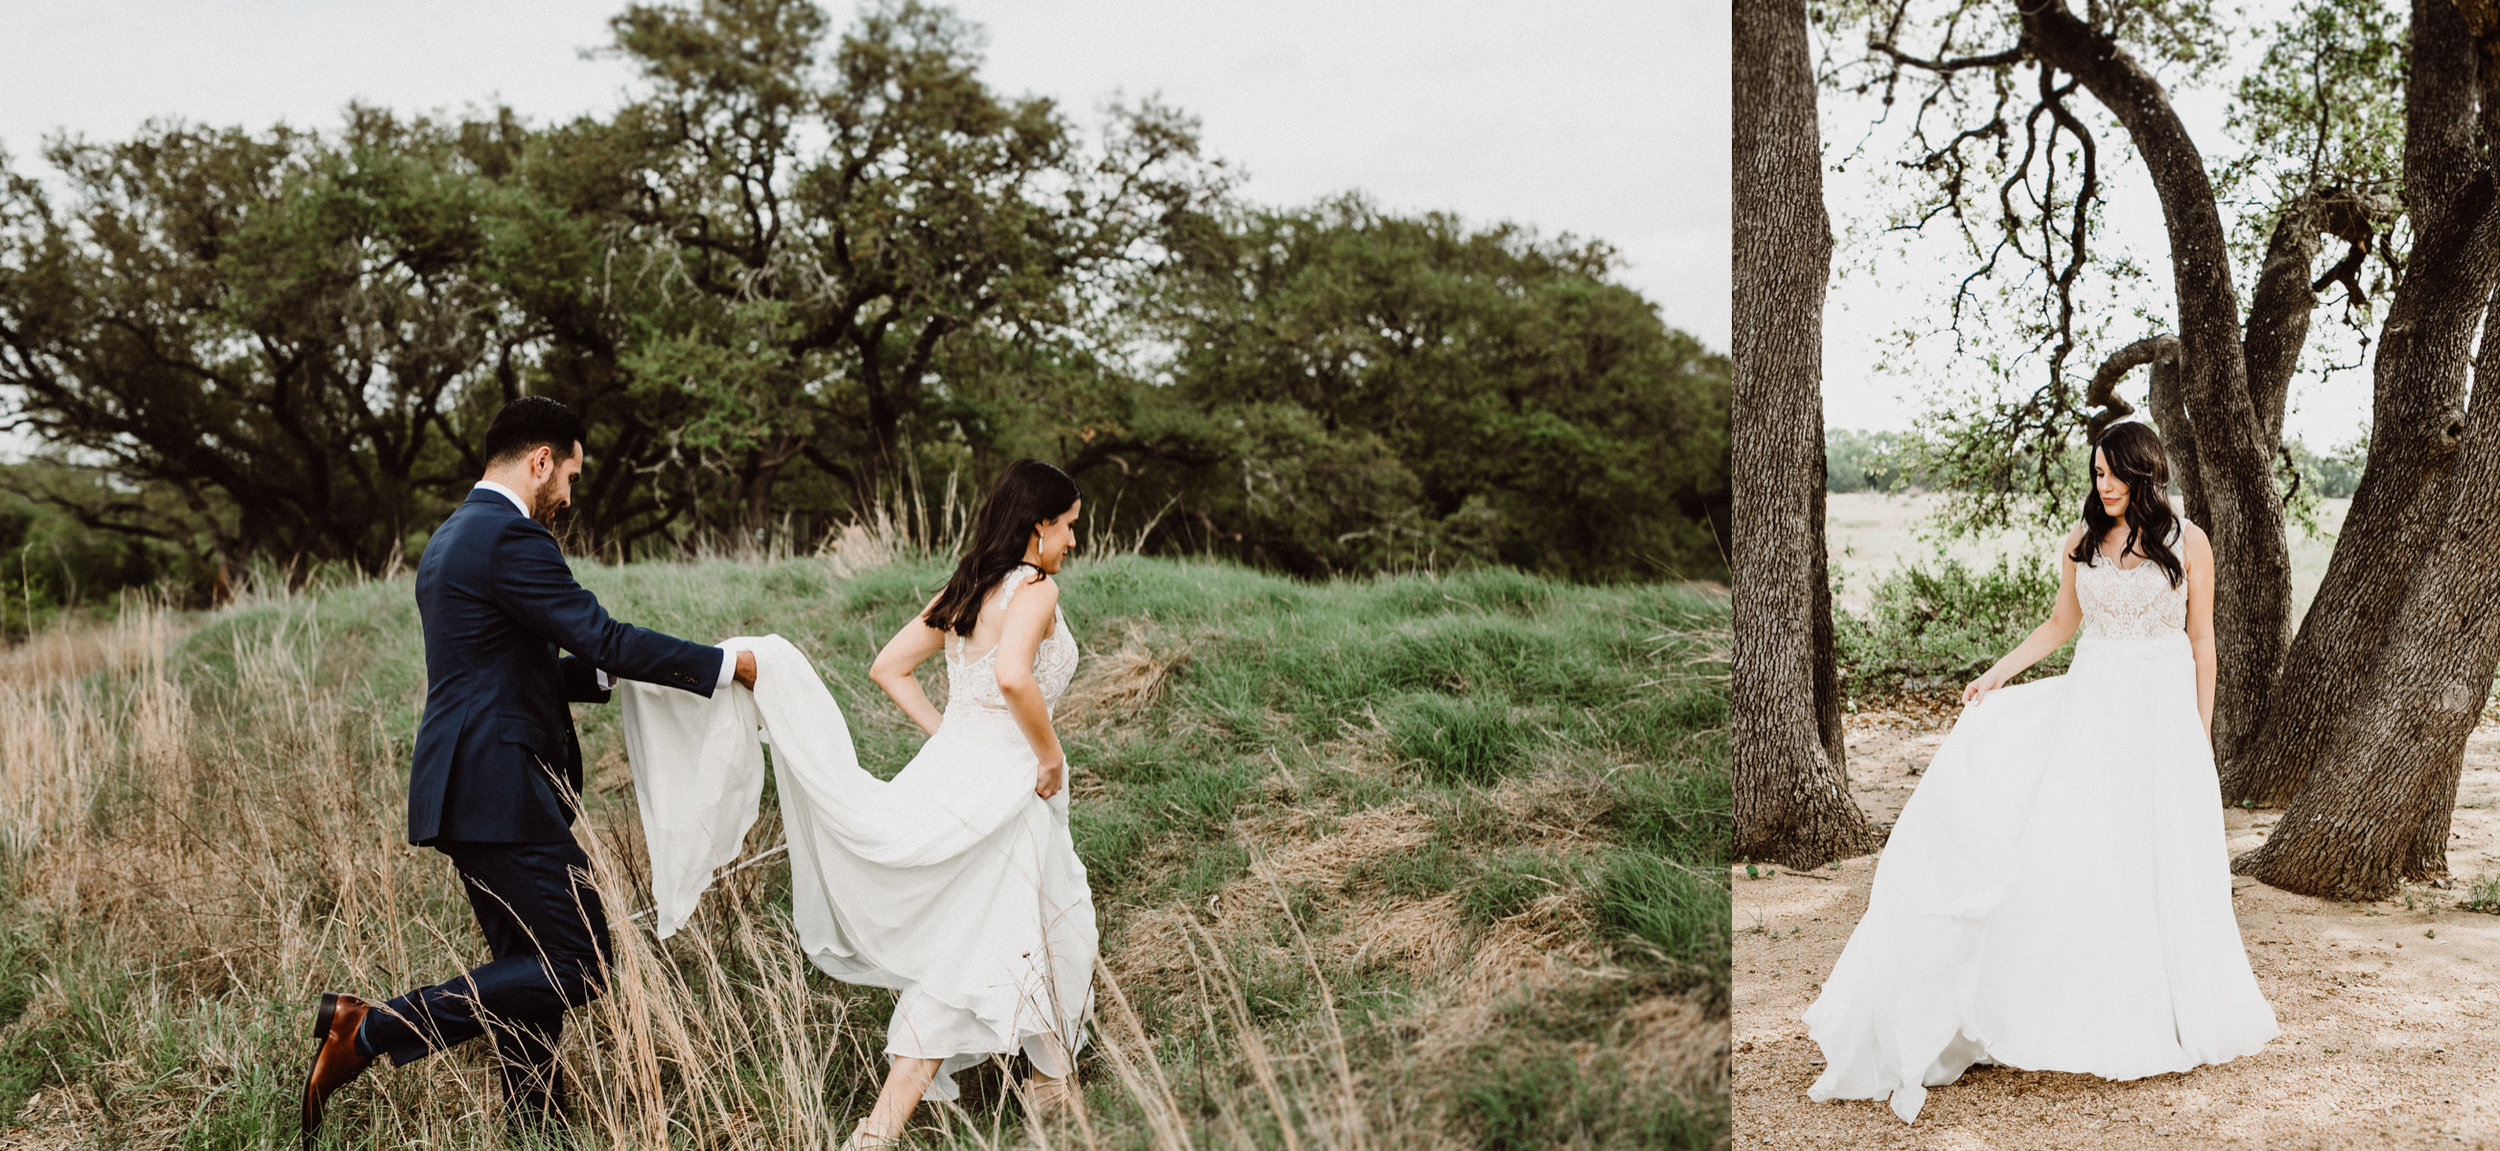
{"type": "Point", "coordinates": [2056, 895]}
{"type": "Point", "coordinates": [953, 883]}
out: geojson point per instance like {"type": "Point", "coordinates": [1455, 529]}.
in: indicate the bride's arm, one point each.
{"type": "Point", "coordinates": [2046, 638]}
{"type": "Point", "coordinates": [1030, 616]}
{"type": "Point", "coordinates": [2199, 554]}
{"type": "Point", "coordinates": [892, 670]}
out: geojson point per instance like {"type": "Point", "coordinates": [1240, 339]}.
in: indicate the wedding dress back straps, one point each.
{"type": "Point", "coordinates": [974, 682]}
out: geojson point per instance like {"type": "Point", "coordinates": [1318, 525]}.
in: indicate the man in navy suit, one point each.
{"type": "Point", "coordinates": [498, 769]}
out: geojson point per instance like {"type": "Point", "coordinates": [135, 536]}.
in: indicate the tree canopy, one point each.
{"type": "Point", "coordinates": [806, 274]}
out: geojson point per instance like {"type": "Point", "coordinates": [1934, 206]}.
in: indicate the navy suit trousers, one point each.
{"type": "Point", "coordinates": [548, 936]}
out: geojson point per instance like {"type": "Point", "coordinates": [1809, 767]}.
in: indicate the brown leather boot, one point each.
{"type": "Point", "coordinates": [336, 1062]}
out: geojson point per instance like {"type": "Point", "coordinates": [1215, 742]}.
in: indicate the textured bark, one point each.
{"type": "Point", "coordinates": [1792, 797]}
{"type": "Point", "coordinates": [2416, 422]}
{"type": "Point", "coordinates": [2285, 294]}
{"type": "Point", "coordinates": [2102, 392]}
{"type": "Point", "coordinates": [2253, 585]}
{"type": "Point", "coordinates": [2377, 811]}
{"type": "Point", "coordinates": [2178, 434]}
{"type": "Point", "coordinates": [2278, 315]}
{"type": "Point", "coordinates": [2376, 806]}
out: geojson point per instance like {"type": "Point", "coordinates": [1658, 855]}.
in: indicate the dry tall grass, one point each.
{"type": "Point", "coordinates": [200, 830]}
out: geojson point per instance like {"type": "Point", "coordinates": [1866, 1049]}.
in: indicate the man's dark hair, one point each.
{"type": "Point", "coordinates": [526, 423]}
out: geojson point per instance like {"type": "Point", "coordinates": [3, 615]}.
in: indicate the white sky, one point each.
{"type": "Point", "coordinates": [1605, 118]}
{"type": "Point", "coordinates": [1868, 385]}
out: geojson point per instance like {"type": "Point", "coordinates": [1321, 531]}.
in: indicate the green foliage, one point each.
{"type": "Point", "coordinates": [256, 336]}
{"type": "Point", "coordinates": [52, 558]}
{"type": "Point", "coordinates": [1997, 482]}
{"type": "Point", "coordinates": [807, 275]}
{"type": "Point", "coordinates": [1677, 815]}
{"type": "Point", "coordinates": [1940, 627]}
{"type": "Point", "coordinates": [1355, 390]}
{"type": "Point", "coordinates": [1855, 461]}
{"type": "Point", "coordinates": [31, 1057]}
{"type": "Point", "coordinates": [2324, 109]}
{"type": "Point", "coordinates": [2333, 476]}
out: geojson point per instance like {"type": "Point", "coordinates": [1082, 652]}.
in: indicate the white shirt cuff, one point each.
{"type": "Point", "coordinates": [728, 671]}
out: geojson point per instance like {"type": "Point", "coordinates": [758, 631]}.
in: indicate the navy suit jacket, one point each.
{"type": "Point", "coordinates": [497, 601]}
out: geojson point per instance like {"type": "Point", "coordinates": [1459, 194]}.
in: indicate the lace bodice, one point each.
{"type": "Point", "coordinates": [975, 682]}
{"type": "Point", "coordinates": [2129, 603]}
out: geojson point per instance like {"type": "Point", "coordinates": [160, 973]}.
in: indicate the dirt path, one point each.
{"type": "Point", "coordinates": [2390, 1011]}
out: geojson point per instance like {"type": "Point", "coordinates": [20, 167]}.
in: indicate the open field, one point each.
{"type": "Point", "coordinates": [1871, 534]}
{"type": "Point", "coordinates": [2390, 1010]}
{"type": "Point", "coordinates": [1414, 862]}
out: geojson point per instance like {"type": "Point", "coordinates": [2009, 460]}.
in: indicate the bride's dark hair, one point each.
{"type": "Point", "coordinates": [1026, 494]}
{"type": "Point", "coordinates": [2134, 454]}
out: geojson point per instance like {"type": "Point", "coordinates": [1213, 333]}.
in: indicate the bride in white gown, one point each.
{"type": "Point", "coordinates": [956, 883]}
{"type": "Point", "coordinates": [2056, 895]}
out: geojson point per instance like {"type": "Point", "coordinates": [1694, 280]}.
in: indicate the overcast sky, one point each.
{"type": "Point", "coordinates": [1606, 119]}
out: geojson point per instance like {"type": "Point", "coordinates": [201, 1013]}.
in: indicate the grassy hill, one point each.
{"type": "Point", "coordinates": [1407, 862]}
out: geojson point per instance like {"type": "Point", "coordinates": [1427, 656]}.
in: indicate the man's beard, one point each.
{"type": "Point", "coordinates": [543, 506]}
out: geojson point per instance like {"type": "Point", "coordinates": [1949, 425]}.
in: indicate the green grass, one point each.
{"type": "Point", "coordinates": [1440, 770]}
{"type": "Point", "coordinates": [2482, 893]}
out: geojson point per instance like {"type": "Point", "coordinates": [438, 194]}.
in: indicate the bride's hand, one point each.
{"type": "Point", "coordinates": [1978, 689]}
{"type": "Point", "coordinates": [1052, 774]}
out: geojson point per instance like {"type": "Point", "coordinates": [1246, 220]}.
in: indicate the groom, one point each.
{"type": "Point", "coordinates": [498, 767]}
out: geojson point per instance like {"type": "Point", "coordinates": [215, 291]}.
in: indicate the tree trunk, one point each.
{"type": "Point", "coordinates": [2253, 588]}
{"type": "Point", "coordinates": [2376, 806]}
{"type": "Point", "coordinates": [1792, 796]}
{"type": "Point", "coordinates": [2278, 312]}
{"type": "Point", "coordinates": [2178, 436]}
{"type": "Point", "coordinates": [2376, 811]}
{"type": "Point", "coordinates": [2416, 422]}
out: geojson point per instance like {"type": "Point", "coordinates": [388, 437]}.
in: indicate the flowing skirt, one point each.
{"type": "Point", "coordinates": [2056, 896]}
{"type": "Point", "coordinates": [952, 883]}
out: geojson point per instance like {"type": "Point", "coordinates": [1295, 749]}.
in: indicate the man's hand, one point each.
{"type": "Point", "coordinates": [745, 675]}
{"type": "Point", "coordinates": [1052, 774]}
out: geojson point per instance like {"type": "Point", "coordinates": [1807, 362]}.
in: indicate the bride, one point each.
{"type": "Point", "coordinates": [956, 883]}
{"type": "Point", "coordinates": [994, 738]}
{"type": "Point", "coordinates": [2056, 895]}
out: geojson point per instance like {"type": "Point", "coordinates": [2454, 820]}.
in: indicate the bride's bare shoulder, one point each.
{"type": "Point", "coordinates": [2193, 539]}
{"type": "Point", "coordinates": [2074, 535]}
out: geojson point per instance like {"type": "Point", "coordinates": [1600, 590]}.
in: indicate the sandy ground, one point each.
{"type": "Point", "coordinates": [2390, 1011]}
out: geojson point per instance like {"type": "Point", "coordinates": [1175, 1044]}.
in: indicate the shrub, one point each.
{"type": "Point", "coordinates": [2483, 894]}
{"type": "Point", "coordinates": [1939, 628]}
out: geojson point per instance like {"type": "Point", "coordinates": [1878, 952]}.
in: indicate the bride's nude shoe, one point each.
{"type": "Point", "coordinates": [862, 1140]}
{"type": "Point", "coordinates": [1044, 1095]}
